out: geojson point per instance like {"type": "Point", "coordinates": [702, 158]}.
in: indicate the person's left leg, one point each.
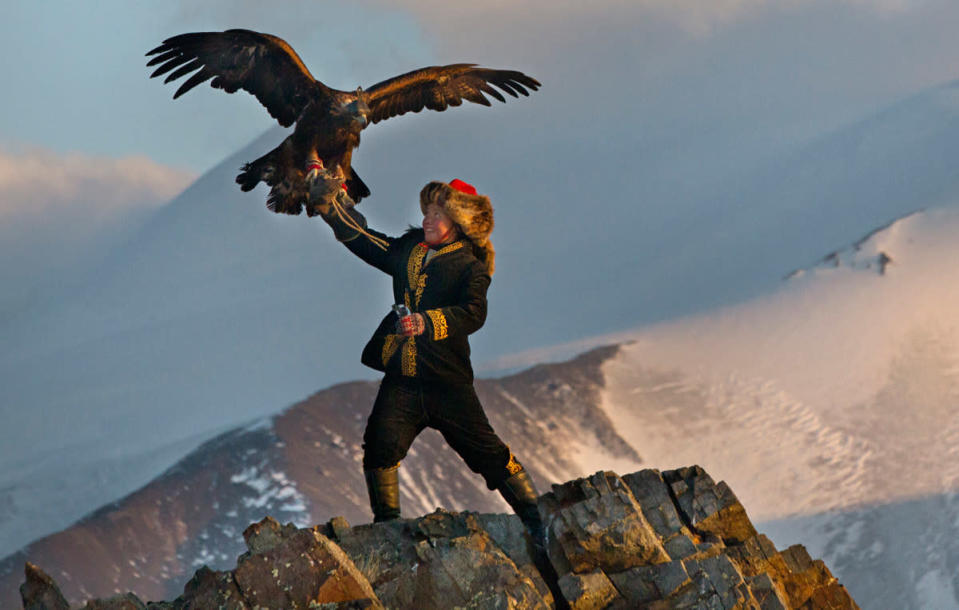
{"type": "Point", "coordinates": [457, 413]}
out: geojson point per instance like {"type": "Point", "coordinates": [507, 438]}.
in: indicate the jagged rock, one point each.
{"type": "Point", "coordinates": [209, 589]}
{"type": "Point", "coordinates": [597, 523]}
{"type": "Point", "coordinates": [650, 539]}
{"type": "Point", "coordinates": [708, 507]}
{"type": "Point", "coordinates": [688, 541]}
{"type": "Point", "coordinates": [127, 601]}
{"type": "Point", "coordinates": [40, 592]}
{"type": "Point", "coordinates": [292, 568]}
{"type": "Point", "coordinates": [588, 591]}
{"type": "Point", "coordinates": [447, 559]}
{"type": "Point", "coordinates": [266, 535]}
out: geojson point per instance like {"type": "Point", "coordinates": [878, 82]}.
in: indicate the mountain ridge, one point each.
{"type": "Point", "coordinates": [303, 465]}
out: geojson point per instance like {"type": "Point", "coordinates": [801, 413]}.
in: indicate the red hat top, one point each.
{"type": "Point", "coordinates": [463, 187]}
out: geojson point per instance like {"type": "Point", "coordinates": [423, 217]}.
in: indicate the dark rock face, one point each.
{"type": "Point", "coordinates": [445, 560]}
{"type": "Point", "coordinates": [39, 592]}
{"type": "Point", "coordinates": [650, 539]}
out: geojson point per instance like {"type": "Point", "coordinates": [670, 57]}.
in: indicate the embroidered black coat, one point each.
{"type": "Point", "coordinates": [448, 286]}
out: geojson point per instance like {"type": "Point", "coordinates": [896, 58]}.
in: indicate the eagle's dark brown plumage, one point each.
{"type": "Point", "coordinates": [328, 121]}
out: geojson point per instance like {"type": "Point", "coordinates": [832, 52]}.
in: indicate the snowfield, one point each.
{"type": "Point", "coordinates": [831, 408]}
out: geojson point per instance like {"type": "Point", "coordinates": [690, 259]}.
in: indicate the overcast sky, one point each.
{"type": "Point", "coordinates": [75, 79]}
{"type": "Point", "coordinates": [76, 82]}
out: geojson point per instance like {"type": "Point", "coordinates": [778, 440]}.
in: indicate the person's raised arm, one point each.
{"type": "Point", "coordinates": [328, 198]}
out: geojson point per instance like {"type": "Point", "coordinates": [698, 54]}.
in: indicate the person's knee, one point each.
{"type": "Point", "coordinates": [383, 453]}
{"type": "Point", "coordinates": [496, 468]}
{"type": "Point", "coordinates": [386, 443]}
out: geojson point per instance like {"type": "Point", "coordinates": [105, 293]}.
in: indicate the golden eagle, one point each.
{"type": "Point", "coordinates": [328, 121]}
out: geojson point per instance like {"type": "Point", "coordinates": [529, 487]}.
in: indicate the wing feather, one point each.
{"type": "Point", "coordinates": [438, 87]}
{"type": "Point", "coordinates": [261, 64]}
{"type": "Point", "coordinates": [179, 60]}
{"type": "Point", "coordinates": [184, 69]}
{"type": "Point", "coordinates": [203, 75]}
{"type": "Point", "coordinates": [163, 57]}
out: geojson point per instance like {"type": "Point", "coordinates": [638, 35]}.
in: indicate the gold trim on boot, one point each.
{"type": "Point", "coordinates": [520, 493]}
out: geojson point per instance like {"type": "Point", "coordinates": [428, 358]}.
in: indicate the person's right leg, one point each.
{"type": "Point", "coordinates": [520, 493]}
{"type": "Point", "coordinates": [457, 413]}
{"type": "Point", "coordinates": [397, 418]}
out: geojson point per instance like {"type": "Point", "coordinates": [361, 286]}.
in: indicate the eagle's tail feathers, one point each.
{"type": "Point", "coordinates": [355, 187]}
{"type": "Point", "coordinates": [279, 202]}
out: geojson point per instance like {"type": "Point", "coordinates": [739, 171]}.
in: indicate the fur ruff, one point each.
{"type": "Point", "coordinates": [473, 215]}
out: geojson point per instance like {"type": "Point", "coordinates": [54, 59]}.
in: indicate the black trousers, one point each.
{"type": "Point", "coordinates": [404, 407]}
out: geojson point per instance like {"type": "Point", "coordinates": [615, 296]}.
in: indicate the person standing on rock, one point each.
{"type": "Point", "coordinates": [440, 276]}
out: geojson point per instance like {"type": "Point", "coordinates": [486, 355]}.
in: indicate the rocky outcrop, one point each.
{"type": "Point", "coordinates": [672, 539]}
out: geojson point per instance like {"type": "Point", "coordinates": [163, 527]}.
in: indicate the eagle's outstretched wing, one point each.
{"type": "Point", "coordinates": [438, 87]}
{"type": "Point", "coordinates": [261, 64]}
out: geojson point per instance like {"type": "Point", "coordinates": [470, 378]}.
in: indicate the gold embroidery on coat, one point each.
{"type": "Point", "coordinates": [414, 270]}
{"type": "Point", "coordinates": [420, 287]}
{"type": "Point", "coordinates": [456, 245]}
{"type": "Point", "coordinates": [414, 263]}
{"type": "Point", "coordinates": [417, 284]}
{"type": "Point", "coordinates": [389, 347]}
{"type": "Point", "coordinates": [440, 329]}
{"type": "Point", "coordinates": [409, 357]}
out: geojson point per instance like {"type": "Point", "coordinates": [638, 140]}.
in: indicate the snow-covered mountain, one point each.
{"type": "Point", "coordinates": [832, 406]}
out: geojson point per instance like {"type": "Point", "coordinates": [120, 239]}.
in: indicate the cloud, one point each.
{"type": "Point", "coordinates": [59, 213]}
{"type": "Point", "coordinates": [39, 184]}
{"type": "Point", "coordinates": [456, 20]}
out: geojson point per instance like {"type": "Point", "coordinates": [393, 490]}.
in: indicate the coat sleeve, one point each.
{"type": "Point", "coordinates": [466, 316]}
{"type": "Point", "coordinates": [377, 249]}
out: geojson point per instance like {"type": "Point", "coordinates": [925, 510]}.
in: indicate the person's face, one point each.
{"type": "Point", "coordinates": [437, 225]}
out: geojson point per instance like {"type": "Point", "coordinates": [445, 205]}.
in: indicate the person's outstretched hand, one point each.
{"type": "Point", "coordinates": [325, 186]}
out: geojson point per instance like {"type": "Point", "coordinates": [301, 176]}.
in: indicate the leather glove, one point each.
{"type": "Point", "coordinates": [325, 186]}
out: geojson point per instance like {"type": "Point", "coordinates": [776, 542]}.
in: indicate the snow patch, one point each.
{"type": "Point", "coordinates": [424, 497]}
{"type": "Point", "coordinates": [875, 252]}
{"type": "Point", "coordinates": [273, 490]}
{"type": "Point", "coordinates": [262, 423]}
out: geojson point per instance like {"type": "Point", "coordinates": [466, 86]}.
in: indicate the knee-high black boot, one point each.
{"type": "Point", "coordinates": [520, 493]}
{"type": "Point", "coordinates": [384, 487]}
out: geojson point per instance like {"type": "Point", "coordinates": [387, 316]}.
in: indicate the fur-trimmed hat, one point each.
{"type": "Point", "coordinates": [472, 213]}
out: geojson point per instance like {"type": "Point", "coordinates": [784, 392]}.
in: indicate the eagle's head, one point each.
{"type": "Point", "coordinates": [358, 110]}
